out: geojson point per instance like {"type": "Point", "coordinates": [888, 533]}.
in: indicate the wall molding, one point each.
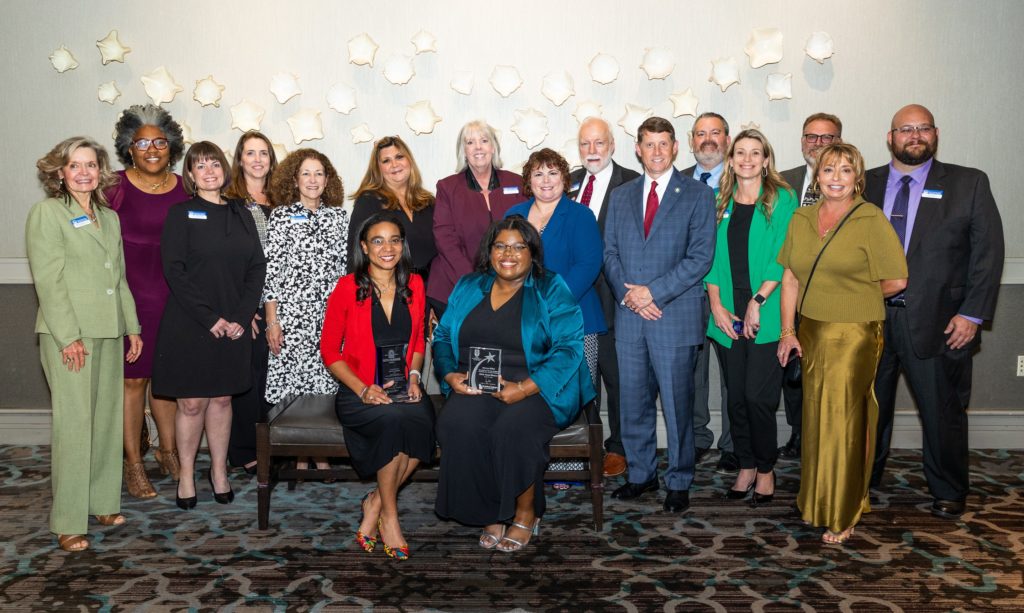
{"type": "Point", "coordinates": [14, 271]}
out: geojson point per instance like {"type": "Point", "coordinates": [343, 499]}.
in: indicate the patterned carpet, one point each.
{"type": "Point", "coordinates": [719, 556]}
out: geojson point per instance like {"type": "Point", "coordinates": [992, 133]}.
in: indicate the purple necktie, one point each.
{"type": "Point", "coordinates": [898, 217]}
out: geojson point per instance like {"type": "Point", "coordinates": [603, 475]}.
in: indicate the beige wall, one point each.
{"type": "Point", "coordinates": [962, 59]}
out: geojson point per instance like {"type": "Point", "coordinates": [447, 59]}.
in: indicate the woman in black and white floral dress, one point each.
{"type": "Point", "coordinates": [306, 239]}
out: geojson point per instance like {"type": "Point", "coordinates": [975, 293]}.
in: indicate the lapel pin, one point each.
{"type": "Point", "coordinates": [677, 190]}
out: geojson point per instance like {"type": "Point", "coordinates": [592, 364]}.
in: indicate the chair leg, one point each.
{"type": "Point", "coordinates": [262, 475]}
{"type": "Point", "coordinates": [596, 436]}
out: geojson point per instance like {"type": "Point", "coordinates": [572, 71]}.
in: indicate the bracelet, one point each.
{"type": "Point", "coordinates": [787, 332]}
{"type": "Point", "coordinates": [363, 393]}
{"type": "Point", "coordinates": [271, 324]}
{"type": "Point", "coordinates": [416, 372]}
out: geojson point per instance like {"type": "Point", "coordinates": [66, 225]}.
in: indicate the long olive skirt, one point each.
{"type": "Point", "coordinates": [840, 413]}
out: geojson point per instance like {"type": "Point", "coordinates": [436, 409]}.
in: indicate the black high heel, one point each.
{"type": "Point", "coordinates": [226, 498]}
{"type": "Point", "coordinates": [757, 499]}
{"type": "Point", "coordinates": [184, 504]}
{"type": "Point", "coordinates": [739, 494]}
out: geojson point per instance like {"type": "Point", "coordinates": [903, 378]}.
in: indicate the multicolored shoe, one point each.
{"type": "Point", "coordinates": [398, 553]}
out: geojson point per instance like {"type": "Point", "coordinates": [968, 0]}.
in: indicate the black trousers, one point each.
{"type": "Point", "coordinates": [941, 387]}
{"type": "Point", "coordinates": [250, 407]}
{"type": "Point", "coordinates": [753, 378]}
{"type": "Point", "coordinates": [608, 371]}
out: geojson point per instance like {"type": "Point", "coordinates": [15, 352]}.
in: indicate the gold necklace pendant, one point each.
{"type": "Point", "coordinates": [152, 186]}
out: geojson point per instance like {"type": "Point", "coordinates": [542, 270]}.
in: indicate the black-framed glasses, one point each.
{"type": "Point", "coordinates": [394, 241]}
{"type": "Point", "coordinates": [924, 130]}
{"type": "Point", "coordinates": [143, 143]}
{"type": "Point", "coordinates": [824, 139]}
{"type": "Point", "coordinates": [514, 247]}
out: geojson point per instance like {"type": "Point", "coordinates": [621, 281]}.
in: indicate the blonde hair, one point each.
{"type": "Point", "coordinates": [771, 181]}
{"type": "Point", "coordinates": [50, 165]}
{"type": "Point", "coordinates": [481, 126]}
{"type": "Point", "coordinates": [837, 151]}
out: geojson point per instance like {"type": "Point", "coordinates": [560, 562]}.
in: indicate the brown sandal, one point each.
{"type": "Point", "coordinates": [136, 481]}
{"type": "Point", "coordinates": [168, 462]}
{"type": "Point", "coordinates": [111, 520]}
{"type": "Point", "coordinates": [72, 542]}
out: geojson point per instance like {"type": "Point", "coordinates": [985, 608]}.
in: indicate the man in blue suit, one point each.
{"type": "Point", "coordinates": [659, 242]}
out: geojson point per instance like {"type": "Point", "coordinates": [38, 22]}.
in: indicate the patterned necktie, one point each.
{"type": "Point", "coordinates": [704, 176]}
{"type": "Point", "coordinates": [652, 208]}
{"type": "Point", "coordinates": [588, 191]}
{"type": "Point", "coordinates": [898, 216]}
{"type": "Point", "coordinates": [810, 196]}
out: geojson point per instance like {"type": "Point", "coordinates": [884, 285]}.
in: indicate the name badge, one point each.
{"type": "Point", "coordinates": [932, 193]}
{"type": "Point", "coordinates": [197, 215]}
{"type": "Point", "coordinates": [575, 187]}
{"type": "Point", "coordinates": [510, 190]}
{"type": "Point", "coordinates": [79, 222]}
{"type": "Point", "coordinates": [298, 218]}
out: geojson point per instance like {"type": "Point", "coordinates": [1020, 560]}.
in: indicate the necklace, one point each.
{"type": "Point", "coordinates": [383, 290]}
{"type": "Point", "coordinates": [152, 186]}
{"type": "Point", "coordinates": [831, 227]}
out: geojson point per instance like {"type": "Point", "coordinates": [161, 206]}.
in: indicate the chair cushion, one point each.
{"type": "Point", "coordinates": [308, 419]}
{"type": "Point", "coordinates": [575, 434]}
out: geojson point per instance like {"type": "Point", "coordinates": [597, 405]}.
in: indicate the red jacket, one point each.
{"type": "Point", "coordinates": [348, 328]}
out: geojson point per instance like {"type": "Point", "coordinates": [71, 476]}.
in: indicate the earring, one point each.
{"type": "Point", "coordinates": [61, 188]}
{"type": "Point", "coordinates": [764, 171]}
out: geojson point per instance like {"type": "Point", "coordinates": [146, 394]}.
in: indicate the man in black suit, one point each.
{"type": "Point", "coordinates": [820, 129]}
{"type": "Point", "coordinates": [592, 186]}
{"type": "Point", "coordinates": [709, 141]}
{"type": "Point", "coordinates": [953, 238]}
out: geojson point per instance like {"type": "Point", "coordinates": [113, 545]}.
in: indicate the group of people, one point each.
{"type": "Point", "coordinates": [236, 286]}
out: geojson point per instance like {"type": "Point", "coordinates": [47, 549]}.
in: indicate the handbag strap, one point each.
{"type": "Point", "coordinates": [818, 259]}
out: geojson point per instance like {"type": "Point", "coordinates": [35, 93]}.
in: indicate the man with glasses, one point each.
{"type": "Point", "coordinates": [820, 129]}
{"type": "Point", "coordinates": [947, 219]}
{"type": "Point", "coordinates": [709, 141]}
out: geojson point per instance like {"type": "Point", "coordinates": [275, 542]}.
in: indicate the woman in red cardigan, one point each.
{"type": "Point", "coordinates": [372, 342]}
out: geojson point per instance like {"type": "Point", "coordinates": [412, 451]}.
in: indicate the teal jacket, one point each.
{"type": "Point", "coordinates": [764, 242]}
{"type": "Point", "coordinates": [78, 273]}
{"type": "Point", "coordinates": [552, 330]}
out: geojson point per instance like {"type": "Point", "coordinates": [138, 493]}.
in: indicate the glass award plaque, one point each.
{"type": "Point", "coordinates": [485, 369]}
{"type": "Point", "coordinates": [391, 367]}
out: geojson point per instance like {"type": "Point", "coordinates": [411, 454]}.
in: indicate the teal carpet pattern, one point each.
{"type": "Point", "coordinates": [719, 556]}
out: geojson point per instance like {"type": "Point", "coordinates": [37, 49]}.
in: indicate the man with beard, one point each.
{"type": "Point", "coordinates": [947, 219]}
{"type": "Point", "coordinates": [709, 140]}
{"type": "Point", "coordinates": [592, 187]}
{"type": "Point", "coordinates": [820, 129]}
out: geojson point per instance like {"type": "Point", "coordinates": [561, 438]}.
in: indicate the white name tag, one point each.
{"type": "Point", "coordinates": [298, 218]}
{"type": "Point", "coordinates": [79, 222]}
{"type": "Point", "coordinates": [509, 190]}
{"type": "Point", "coordinates": [575, 187]}
{"type": "Point", "coordinates": [197, 214]}
{"type": "Point", "coordinates": [932, 193]}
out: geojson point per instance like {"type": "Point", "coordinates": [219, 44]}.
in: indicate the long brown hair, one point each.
{"type": "Point", "coordinates": [416, 197]}
{"type": "Point", "coordinates": [238, 188]}
{"type": "Point", "coordinates": [771, 181]}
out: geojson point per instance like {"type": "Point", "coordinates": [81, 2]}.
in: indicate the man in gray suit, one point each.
{"type": "Point", "coordinates": [592, 187]}
{"type": "Point", "coordinates": [659, 242]}
{"type": "Point", "coordinates": [709, 140]}
{"type": "Point", "coordinates": [820, 129]}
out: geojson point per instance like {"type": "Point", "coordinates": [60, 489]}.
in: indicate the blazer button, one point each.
{"type": "Point", "coordinates": [107, 265]}
{"type": "Point", "coordinates": [110, 292]}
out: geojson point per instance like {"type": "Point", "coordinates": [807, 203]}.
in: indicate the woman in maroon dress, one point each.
{"type": "Point", "coordinates": [149, 143]}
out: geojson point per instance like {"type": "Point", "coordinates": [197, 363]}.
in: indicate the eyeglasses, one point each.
{"type": "Point", "coordinates": [143, 143]}
{"type": "Point", "coordinates": [394, 241]}
{"type": "Point", "coordinates": [824, 139]}
{"type": "Point", "coordinates": [923, 130]}
{"type": "Point", "coordinates": [515, 247]}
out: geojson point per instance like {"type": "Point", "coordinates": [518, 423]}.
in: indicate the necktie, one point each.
{"type": "Point", "coordinates": [704, 176]}
{"type": "Point", "coordinates": [588, 191]}
{"type": "Point", "coordinates": [898, 217]}
{"type": "Point", "coordinates": [652, 208]}
{"type": "Point", "coordinates": [810, 196]}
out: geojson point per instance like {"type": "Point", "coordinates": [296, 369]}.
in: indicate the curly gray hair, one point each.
{"type": "Point", "coordinates": [138, 115]}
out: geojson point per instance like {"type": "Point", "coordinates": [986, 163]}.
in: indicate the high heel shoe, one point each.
{"type": "Point", "coordinates": [222, 498]}
{"type": "Point", "coordinates": [739, 494]}
{"type": "Point", "coordinates": [399, 553]}
{"type": "Point", "coordinates": [366, 541]}
{"type": "Point", "coordinates": [757, 499]}
{"type": "Point", "coordinates": [136, 481]}
{"type": "Point", "coordinates": [517, 545]}
{"type": "Point", "coordinates": [184, 504]}
{"type": "Point", "coordinates": [168, 462]}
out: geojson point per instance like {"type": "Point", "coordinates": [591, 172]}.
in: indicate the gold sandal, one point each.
{"type": "Point", "coordinates": [136, 481]}
{"type": "Point", "coordinates": [72, 543]}
{"type": "Point", "coordinates": [837, 538]}
{"type": "Point", "coordinates": [168, 462]}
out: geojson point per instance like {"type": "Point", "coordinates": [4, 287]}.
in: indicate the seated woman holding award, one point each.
{"type": "Point", "coordinates": [372, 342]}
{"type": "Point", "coordinates": [510, 347]}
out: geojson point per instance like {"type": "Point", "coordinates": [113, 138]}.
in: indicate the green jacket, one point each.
{"type": "Point", "coordinates": [765, 241]}
{"type": "Point", "coordinates": [78, 273]}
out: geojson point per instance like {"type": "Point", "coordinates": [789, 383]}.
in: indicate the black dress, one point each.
{"type": "Point", "coordinates": [375, 434]}
{"type": "Point", "coordinates": [419, 231]}
{"type": "Point", "coordinates": [492, 452]}
{"type": "Point", "coordinates": [214, 266]}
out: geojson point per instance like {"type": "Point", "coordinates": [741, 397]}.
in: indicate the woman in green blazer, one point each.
{"type": "Point", "coordinates": [85, 309]}
{"type": "Point", "coordinates": [754, 207]}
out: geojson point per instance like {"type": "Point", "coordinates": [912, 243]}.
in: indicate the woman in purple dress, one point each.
{"type": "Point", "coordinates": [149, 143]}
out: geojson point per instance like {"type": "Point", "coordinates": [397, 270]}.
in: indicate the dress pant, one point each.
{"type": "Point", "coordinates": [703, 437]}
{"type": "Point", "coordinates": [647, 372]}
{"type": "Point", "coordinates": [86, 439]}
{"type": "Point", "coordinates": [608, 370]}
{"type": "Point", "coordinates": [754, 377]}
{"type": "Point", "coordinates": [941, 386]}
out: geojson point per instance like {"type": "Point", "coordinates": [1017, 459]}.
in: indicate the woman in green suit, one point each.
{"type": "Point", "coordinates": [85, 309]}
{"type": "Point", "coordinates": [754, 208]}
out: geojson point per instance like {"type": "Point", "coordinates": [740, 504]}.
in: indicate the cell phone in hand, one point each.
{"type": "Point", "coordinates": [737, 327]}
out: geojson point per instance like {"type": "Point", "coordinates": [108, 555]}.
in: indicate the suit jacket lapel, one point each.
{"type": "Point", "coordinates": [929, 211]}
{"type": "Point", "coordinates": [637, 200]}
{"type": "Point", "coordinates": [614, 182]}
{"type": "Point", "coordinates": [673, 192]}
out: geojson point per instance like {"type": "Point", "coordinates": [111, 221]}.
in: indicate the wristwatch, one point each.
{"type": "Point", "coordinates": [759, 299]}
